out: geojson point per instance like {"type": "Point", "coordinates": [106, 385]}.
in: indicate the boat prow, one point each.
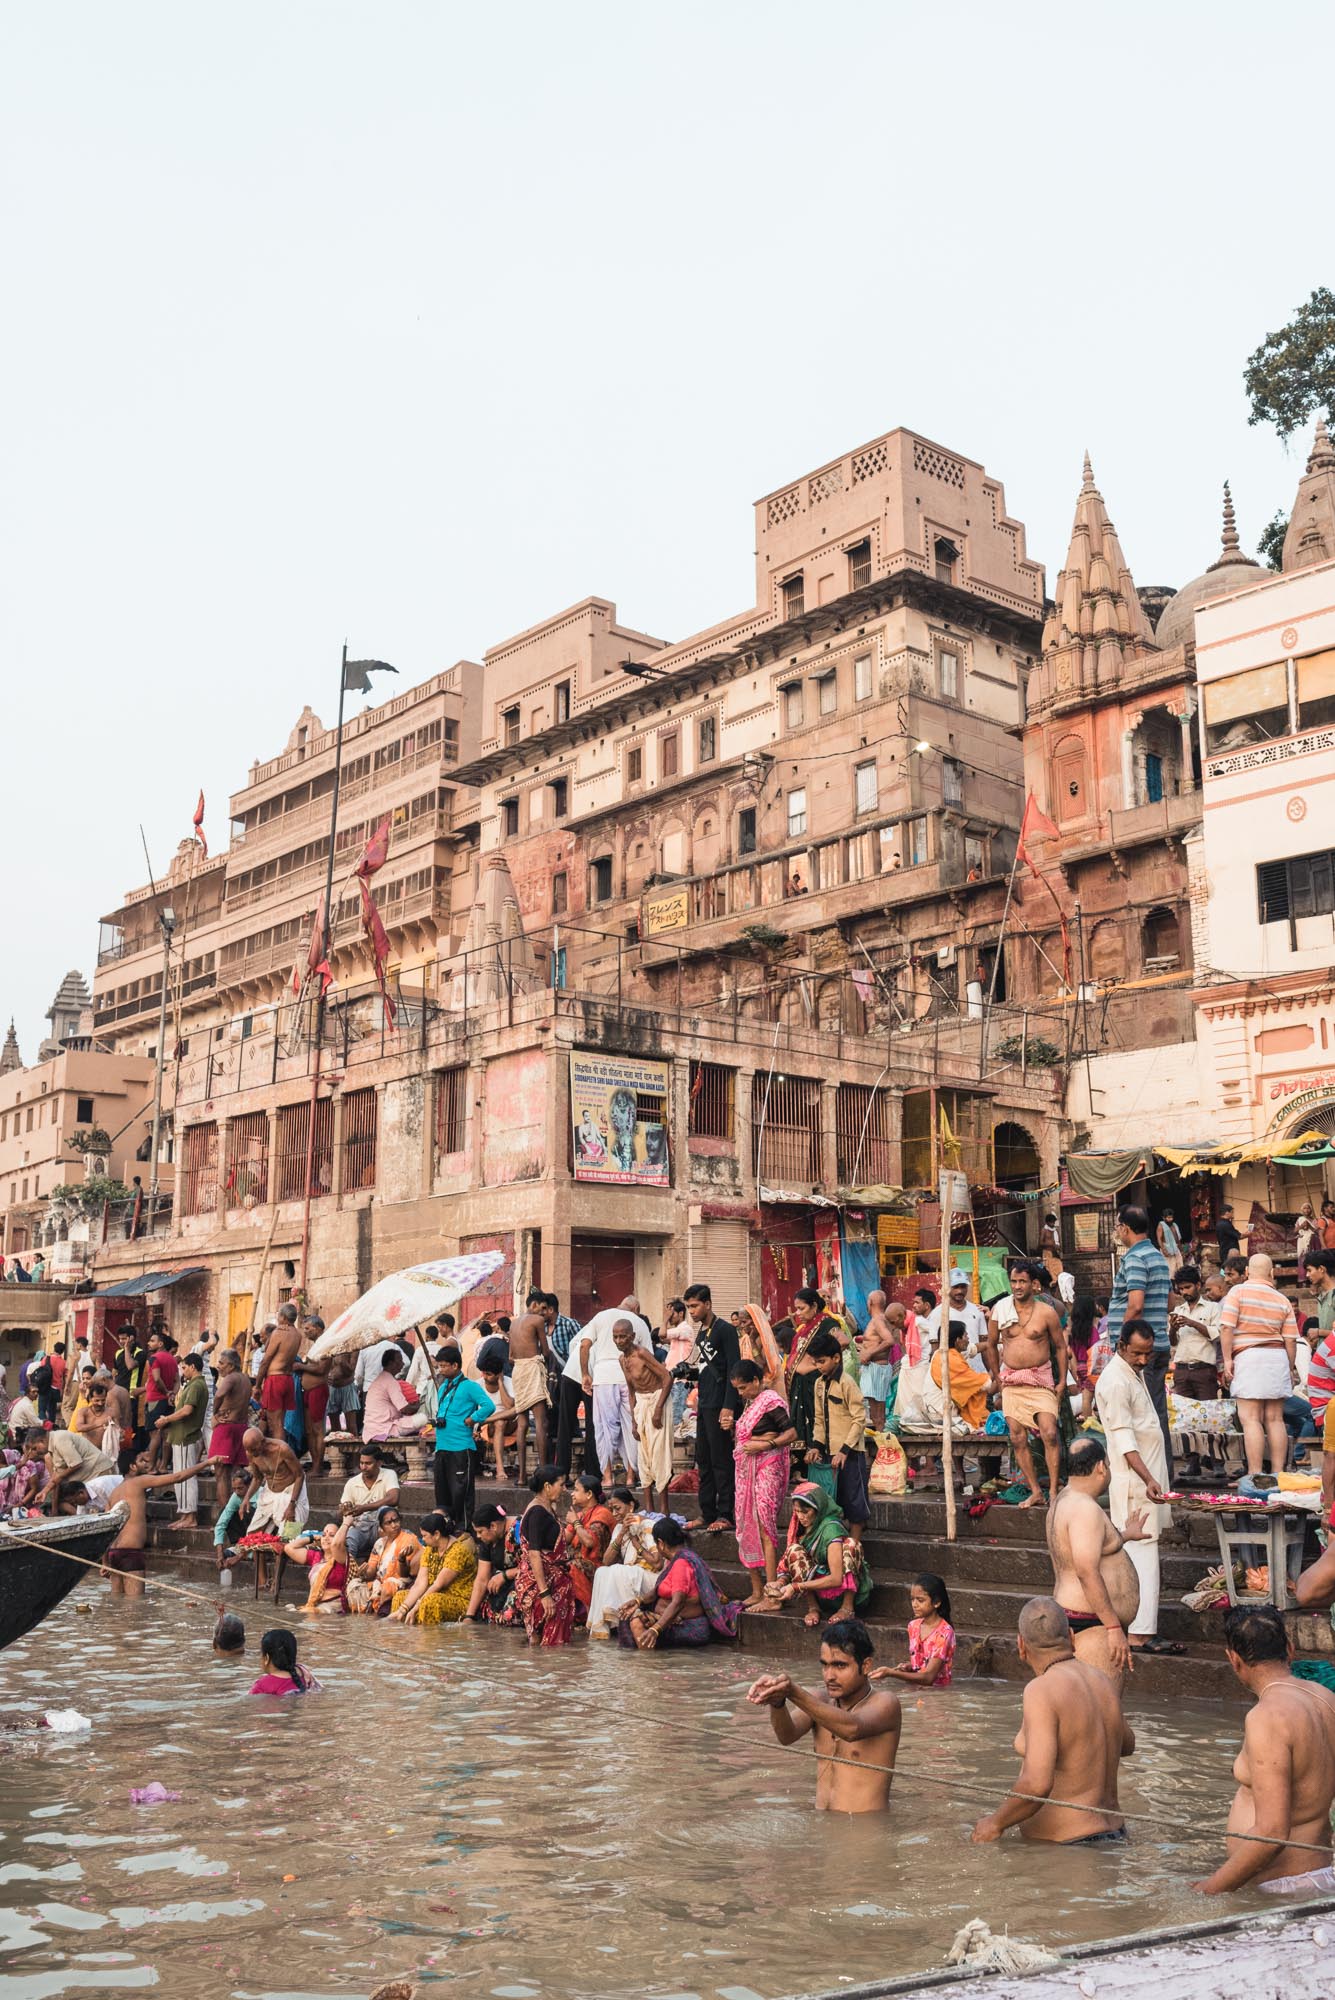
{"type": "Point", "coordinates": [36, 1572]}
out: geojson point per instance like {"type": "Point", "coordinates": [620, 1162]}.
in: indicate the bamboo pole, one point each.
{"type": "Point", "coordinates": [943, 1349]}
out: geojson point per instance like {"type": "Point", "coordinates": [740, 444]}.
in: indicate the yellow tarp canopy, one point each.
{"type": "Point", "coordinates": [1232, 1157]}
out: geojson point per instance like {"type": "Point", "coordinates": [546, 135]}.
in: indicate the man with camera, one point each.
{"type": "Point", "coordinates": [713, 1356]}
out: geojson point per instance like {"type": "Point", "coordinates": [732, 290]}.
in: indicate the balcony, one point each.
{"type": "Point", "coordinates": [314, 813]}
{"type": "Point", "coordinates": [1154, 822]}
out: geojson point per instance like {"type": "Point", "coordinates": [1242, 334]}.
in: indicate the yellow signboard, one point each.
{"type": "Point", "coordinates": [897, 1232]}
{"type": "Point", "coordinates": [668, 912]}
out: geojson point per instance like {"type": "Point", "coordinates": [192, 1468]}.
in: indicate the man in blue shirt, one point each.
{"type": "Point", "coordinates": [1140, 1291]}
{"type": "Point", "coordinates": [461, 1406]}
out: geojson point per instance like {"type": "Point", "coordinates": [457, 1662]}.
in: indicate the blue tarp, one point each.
{"type": "Point", "coordinates": [861, 1274]}
{"type": "Point", "coordinates": [151, 1281]}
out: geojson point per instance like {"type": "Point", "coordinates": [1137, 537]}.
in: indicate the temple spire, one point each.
{"type": "Point", "coordinates": [1311, 531]}
{"type": "Point", "coordinates": [9, 1056]}
{"type": "Point", "coordinates": [1097, 623]}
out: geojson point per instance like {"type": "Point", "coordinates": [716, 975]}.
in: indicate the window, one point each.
{"type": "Point", "coordinates": [827, 689]}
{"type": "Point", "coordinates": [83, 1111]}
{"type": "Point", "coordinates": [794, 596]}
{"type": "Point", "coordinates": [864, 788]}
{"type": "Point", "coordinates": [451, 1109]}
{"type": "Point", "coordinates": [634, 765]}
{"type": "Point", "coordinates": [952, 781]}
{"type": "Point", "coordinates": [509, 817]}
{"type": "Point", "coordinates": [1247, 708]}
{"type": "Point", "coordinates": [510, 725]}
{"type": "Point", "coordinates": [601, 874]}
{"type": "Point", "coordinates": [28, 1127]}
{"type": "Point", "coordinates": [712, 1113]}
{"type": "Point", "coordinates": [360, 1125]}
{"type": "Point", "coordinates": [797, 812]}
{"type": "Point", "coordinates": [746, 831]}
{"type": "Point", "coordinates": [915, 843]}
{"type": "Point", "coordinates": [708, 739]}
{"type": "Point", "coordinates": [948, 675]}
{"type": "Point", "coordinates": [667, 755]}
{"type": "Point", "coordinates": [1159, 933]}
{"type": "Point", "coordinates": [563, 701]}
{"type": "Point", "coordinates": [862, 677]}
{"type": "Point", "coordinates": [859, 565]}
{"type": "Point", "coordinates": [451, 741]}
{"type": "Point", "coordinates": [1153, 778]}
{"type": "Point", "coordinates": [559, 893]}
{"type": "Point", "coordinates": [1316, 690]}
{"type": "Point", "coordinates": [792, 705]}
{"type": "Point", "coordinates": [975, 857]}
{"type": "Point", "coordinates": [560, 797]}
{"type": "Point", "coordinates": [1302, 886]}
{"type": "Point", "coordinates": [944, 558]}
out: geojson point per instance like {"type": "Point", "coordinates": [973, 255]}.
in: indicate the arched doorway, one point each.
{"type": "Point", "coordinates": [1016, 1168]}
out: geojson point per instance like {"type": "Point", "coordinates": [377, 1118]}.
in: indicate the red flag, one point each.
{"type": "Point", "coordinates": [1034, 826]}
{"type": "Point", "coordinates": [316, 962]}
{"type": "Point", "coordinates": [198, 823]}
{"type": "Point", "coordinates": [374, 853]}
{"type": "Point", "coordinates": [378, 940]}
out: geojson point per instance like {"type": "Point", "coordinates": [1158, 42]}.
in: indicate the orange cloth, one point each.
{"type": "Point", "coordinates": [968, 1389]}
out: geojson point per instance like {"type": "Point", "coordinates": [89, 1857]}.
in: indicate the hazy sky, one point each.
{"type": "Point", "coordinates": [415, 323]}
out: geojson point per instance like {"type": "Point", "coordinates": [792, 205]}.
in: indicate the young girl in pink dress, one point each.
{"type": "Point", "coordinates": [931, 1638]}
{"type": "Point", "coordinates": [282, 1675]}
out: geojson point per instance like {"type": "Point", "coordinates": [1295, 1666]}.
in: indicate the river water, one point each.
{"type": "Point", "coordinates": [580, 1825]}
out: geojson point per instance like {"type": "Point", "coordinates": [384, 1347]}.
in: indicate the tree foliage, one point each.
{"type": "Point", "coordinates": [1270, 548]}
{"type": "Point", "coordinates": [1291, 376]}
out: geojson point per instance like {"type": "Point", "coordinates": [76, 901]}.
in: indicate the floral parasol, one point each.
{"type": "Point", "coordinates": [403, 1300]}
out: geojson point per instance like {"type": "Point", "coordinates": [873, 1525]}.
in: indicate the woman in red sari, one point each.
{"type": "Point", "coordinates": [761, 1437]}
{"type": "Point", "coordinates": [587, 1532]}
{"type": "Point", "coordinates": [543, 1590]}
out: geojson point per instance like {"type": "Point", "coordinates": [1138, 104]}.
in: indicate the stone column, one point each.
{"type": "Point", "coordinates": [829, 1147]}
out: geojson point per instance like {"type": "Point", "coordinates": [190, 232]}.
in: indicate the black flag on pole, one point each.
{"type": "Point", "coordinates": [357, 674]}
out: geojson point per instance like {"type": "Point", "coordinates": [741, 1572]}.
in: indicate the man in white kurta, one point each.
{"type": "Point", "coordinates": [1139, 1466]}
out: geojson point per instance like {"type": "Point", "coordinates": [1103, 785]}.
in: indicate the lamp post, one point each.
{"type": "Point", "coordinates": [167, 925]}
{"type": "Point", "coordinates": [354, 677]}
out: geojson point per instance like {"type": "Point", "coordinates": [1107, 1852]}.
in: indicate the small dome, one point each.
{"type": "Point", "coordinates": [1231, 571]}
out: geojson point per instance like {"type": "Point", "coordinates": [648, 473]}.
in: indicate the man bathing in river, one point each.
{"type": "Point", "coordinates": [1285, 1769]}
{"type": "Point", "coordinates": [854, 1726]}
{"type": "Point", "coordinates": [125, 1561]}
{"type": "Point", "coordinates": [1071, 1741]}
{"type": "Point", "coordinates": [1094, 1579]}
{"type": "Point", "coordinates": [1030, 1374]}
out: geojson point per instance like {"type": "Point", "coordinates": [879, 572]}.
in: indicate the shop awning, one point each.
{"type": "Point", "coordinates": [1097, 1176]}
{"type": "Point", "coordinates": [1227, 1159]}
{"type": "Point", "coordinates": [151, 1281]}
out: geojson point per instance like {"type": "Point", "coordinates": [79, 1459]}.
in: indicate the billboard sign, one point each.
{"type": "Point", "coordinates": [618, 1114]}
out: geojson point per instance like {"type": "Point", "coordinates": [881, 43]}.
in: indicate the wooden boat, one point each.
{"type": "Point", "coordinates": [35, 1576]}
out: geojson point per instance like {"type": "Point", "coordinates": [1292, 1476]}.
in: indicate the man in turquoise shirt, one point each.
{"type": "Point", "coordinates": [460, 1407]}
{"type": "Point", "coordinates": [1140, 1291]}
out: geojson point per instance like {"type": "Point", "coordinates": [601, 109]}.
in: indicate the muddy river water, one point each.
{"type": "Point", "coordinates": [560, 1826]}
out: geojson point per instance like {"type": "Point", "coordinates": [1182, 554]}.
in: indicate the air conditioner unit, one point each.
{"type": "Point", "coordinates": [945, 954]}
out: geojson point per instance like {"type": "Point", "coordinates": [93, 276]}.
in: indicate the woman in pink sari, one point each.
{"type": "Point", "coordinates": [761, 1437]}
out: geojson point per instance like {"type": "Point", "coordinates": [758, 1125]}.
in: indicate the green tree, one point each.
{"type": "Point", "coordinates": [1291, 376]}
{"type": "Point", "coordinates": [1271, 545]}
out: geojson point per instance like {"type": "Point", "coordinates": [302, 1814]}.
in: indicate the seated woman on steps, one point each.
{"type": "Point", "coordinates": [821, 1563]}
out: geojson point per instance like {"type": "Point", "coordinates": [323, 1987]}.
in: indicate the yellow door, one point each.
{"type": "Point", "coordinates": [239, 1309]}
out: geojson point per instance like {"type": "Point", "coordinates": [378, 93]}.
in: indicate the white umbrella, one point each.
{"type": "Point", "coordinates": [402, 1300]}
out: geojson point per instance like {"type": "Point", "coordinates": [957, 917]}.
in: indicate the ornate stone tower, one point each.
{"type": "Point", "coordinates": [1311, 533]}
{"type": "Point", "coordinates": [9, 1055]}
{"type": "Point", "coordinates": [72, 997]}
{"type": "Point", "coordinates": [1097, 623]}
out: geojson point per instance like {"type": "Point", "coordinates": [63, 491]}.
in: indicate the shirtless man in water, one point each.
{"type": "Point", "coordinates": [530, 1357]}
{"type": "Point", "coordinates": [1071, 1742]}
{"type": "Point", "coordinates": [1094, 1579]}
{"type": "Point", "coordinates": [275, 1381]}
{"type": "Point", "coordinates": [125, 1561]}
{"type": "Point", "coordinates": [1285, 1769]}
{"type": "Point", "coordinates": [855, 1726]}
{"type": "Point", "coordinates": [1029, 1377]}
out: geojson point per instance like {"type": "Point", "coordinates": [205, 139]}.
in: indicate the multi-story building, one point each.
{"type": "Point", "coordinates": [707, 928]}
{"type": "Point", "coordinates": [41, 1109]}
{"type": "Point", "coordinates": [1266, 1017]}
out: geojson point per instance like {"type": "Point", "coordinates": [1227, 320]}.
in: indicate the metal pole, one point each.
{"type": "Point", "coordinates": [158, 1066]}
{"type": "Point", "coordinates": [996, 967]}
{"type": "Point", "coordinates": [1084, 1012]}
{"type": "Point", "coordinates": [943, 1349]}
{"type": "Point", "coordinates": [326, 944]}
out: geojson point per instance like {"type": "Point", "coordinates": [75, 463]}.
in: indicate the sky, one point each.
{"type": "Point", "coordinates": [412, 324]}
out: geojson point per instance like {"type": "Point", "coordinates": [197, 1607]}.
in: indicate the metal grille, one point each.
{"type": "Point", "coordinates": [289, 1160]}
{"type": "Point", "coordinates": [787, 1149]}
{"type": "Point", "coordinates": [970, 1118]}
{"type": "Point", "coordinates": [862, 1135]}
{"type": "Point", "coordinates": [713, 1113]}
{"type": "Point", "coordinates": [199, 1170]}
{"type": "Point", "coordinates": [359, 1140]}
{"type": "Point", "coordinates": [451, 1110]}
{"type": "Point", "coordinates": [247, 1178]}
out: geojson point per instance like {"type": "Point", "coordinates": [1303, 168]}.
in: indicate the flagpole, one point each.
{"type": "Point", "coordinates": [326, 950]}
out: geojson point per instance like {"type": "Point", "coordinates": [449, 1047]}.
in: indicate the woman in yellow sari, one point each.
{"type": "Point", "coordinates": [444, 1584]}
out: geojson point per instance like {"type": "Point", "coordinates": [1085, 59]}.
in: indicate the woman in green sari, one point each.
{"type": "Point", "coordinates": [822, 1563]}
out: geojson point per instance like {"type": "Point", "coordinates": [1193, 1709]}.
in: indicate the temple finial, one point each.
{"type": "Point", "coordinates": [1323, 454]}
{"type": "Point", "coordinates": [1088, 479]}
{"type": "Point", "coordinates": [1230, 543]}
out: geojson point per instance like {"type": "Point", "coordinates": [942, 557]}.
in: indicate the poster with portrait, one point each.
{"type": "Point", "coordinates": [618, 1115]}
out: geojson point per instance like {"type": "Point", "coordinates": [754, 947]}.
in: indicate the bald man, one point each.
{"type": "Point", "coordinates": [1071, 1742]}
{"type": "Point", "coordinates": [1258, 1337]}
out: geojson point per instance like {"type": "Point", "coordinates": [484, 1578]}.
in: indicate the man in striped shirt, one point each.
{"type": "Point", "coordinates": [1140, 1291]}
{"type": "Point", "coordinates": [1321, 1368]}
{"type": "Point", "coordinates": [1257, 1338]}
